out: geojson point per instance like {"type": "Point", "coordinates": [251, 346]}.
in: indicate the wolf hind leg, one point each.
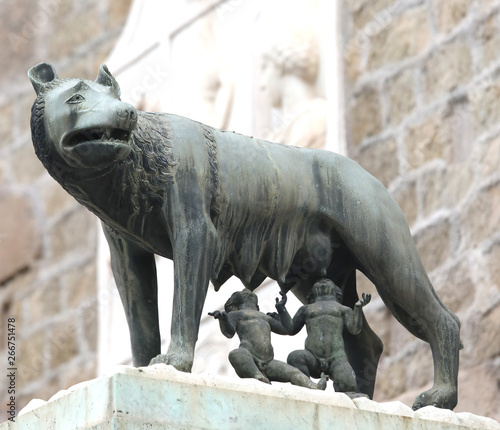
{"type": "Point", "coordinates": [423, 314]}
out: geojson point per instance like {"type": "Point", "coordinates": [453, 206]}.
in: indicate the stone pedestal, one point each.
{"type": "Point", "coordinates": [159, 397]}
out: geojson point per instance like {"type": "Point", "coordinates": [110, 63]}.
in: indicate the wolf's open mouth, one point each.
{"type": "Point", "coordinates": [94, 135]}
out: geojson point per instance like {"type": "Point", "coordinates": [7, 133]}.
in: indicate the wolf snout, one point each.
{"type": "Point", "coordinates": [127, 114]}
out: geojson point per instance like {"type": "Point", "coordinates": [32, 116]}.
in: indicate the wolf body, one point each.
{"type": "Point", "coordinates": [221, 204]}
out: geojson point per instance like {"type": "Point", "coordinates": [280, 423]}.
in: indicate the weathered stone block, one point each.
{"type": "Point", "coordinates": [488, 5]}
{"type": "Point", "coordinates": [485, 400]}
{"type": "Point", "coordinates": [460, 178]}
{"type": "Point", "coordinates": [28, 167]}
{"type": "Point", "coordinates": [54, 199]}
{"type": "Point", "coordinates": [364, 115]}
{"type": "Point", "coordinates": [66, 36]}
{"type": "Point", "coordinates": [391, 380]}
{"type": "Point", "coordinates": [352, 59]}
{"type": "Point", "coordinates": [419, 368]}
{"type": "Point", "coordinates": [364, 285]}
{"type": "Point", "coordinates": [490, 39]}
{"type": "Point", "coordinates": [98, 55]}
{"type": "Point", "coordinates": [492, 258]}
{"type": "Point", "coordinates": [399, 339]}
{"type": "Point", "coordinates": [444, 187]}
{"type": "Point", "coordinates": [90, 325]}
{"type": "Point", "coordinates": [24, 103]}
{"type": "Point", "coordinates": [433, 244]}
{"type": "Point", "coordinates": [73, 234]}
{"type": "Point", "coordinates": [372, 12]}
{"type": "Point", "coordinates": [21, 285]}
{"type": "Point", "coordinates": [404, 37]}
{"type": "Point", "coordinates": [459, 120]}
{"type": "Point", "coordinates": [480, 219]}
{"type": "Point", "coordinates": [426, 141]}
{"type": "Point", "coordinates": [488, 336]}
{"type": "Point", "coordinates": [490, 157]}
{"type": "Point", "coordinates": [379, 320]}
{"type": "Point", "coordinates": [63, 11]}
{"type": "Point", "coordinates": [447, 68]}
{"type": "Point", "coordinates": [6, 121]}
{"type": "Point", "coordinates": [118, 12]}
{"type": "Point", "coordinates": [400, 89]}
{"type": "Point", "coordinates": [455, 286]}
{"type": "Point", "coordinates": [485, 104]}
{"type": "Point", "coordinates": [73, 375]}
{"type": "Point", "coordinates": [449, 14]}
{"type": "Point", "coordinates": [81, 66]}
{"type": "Point", "coordinates": [19, 235]}
{"type": "Point", "coordinates": [21, 24]}
{"type": "Point", "coordinates": [3, 174]}
{"type": "Point", "coordinates": [45, 301]}
{"type": "Point", "coordinates": [406, 197]}
{"type": "Point", "coordinates": [80, 284]}
{"type": "Point", "coordinates": [63, 342]}
{"type": "Point", "coordinates": [46, 388]}
{"type": "Point", "coordinates": [32, 356]}
{"type": "Point", "coordinates": [381, 160]}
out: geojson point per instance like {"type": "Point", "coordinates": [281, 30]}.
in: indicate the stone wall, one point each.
{"type": "Point", "coordinates": [422, 83]}
{"type": "Point", "coordinates": [47, 240]}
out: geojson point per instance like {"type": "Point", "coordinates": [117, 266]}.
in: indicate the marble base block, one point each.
{"type": "Point", "coordinates": [159, 397]}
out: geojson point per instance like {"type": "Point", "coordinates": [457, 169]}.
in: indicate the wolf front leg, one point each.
{"type": "Point", "coordinates": [193, 249]}
{"type": "Point", "coordinates": [134, 270]}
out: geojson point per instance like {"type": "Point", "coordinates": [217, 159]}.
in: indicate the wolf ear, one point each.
{"type": "Point", "coordinates": [40, 75]}
{"type": "Point", "coordinates": [106, 78]}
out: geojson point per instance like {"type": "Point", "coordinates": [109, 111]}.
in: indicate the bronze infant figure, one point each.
{"type": "Point", "coordinates": [326, 320]}
{"type": "Point", "coordinates": [255, 356]}
{"type": "Point", "coordinates": [221, 204]}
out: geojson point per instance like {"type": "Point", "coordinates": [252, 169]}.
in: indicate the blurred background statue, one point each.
{"type": "Point", "coordinates": [290, 65]}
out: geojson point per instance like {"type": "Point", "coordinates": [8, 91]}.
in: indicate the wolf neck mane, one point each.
{"type": "Point", "coordinates": [144, 174]}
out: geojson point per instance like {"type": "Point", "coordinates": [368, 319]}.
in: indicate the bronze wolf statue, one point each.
{"type": "Point", "coordinates": [221, 204]}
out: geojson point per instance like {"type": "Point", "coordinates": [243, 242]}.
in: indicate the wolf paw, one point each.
{"type": "Point", "coordinates": [182, 362]}
{"type": "Point", "coordinates": [440, 397]}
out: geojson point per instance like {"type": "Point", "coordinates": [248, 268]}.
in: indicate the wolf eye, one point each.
{"type": "Point", "coordinates": [77, 98]}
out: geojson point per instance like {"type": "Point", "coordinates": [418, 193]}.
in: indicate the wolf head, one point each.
{"type": "Point", "coordinates": [82, 123]}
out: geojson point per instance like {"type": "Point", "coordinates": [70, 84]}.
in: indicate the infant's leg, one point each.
{"type": "Point", "coordinates": [282, 372]}
{"type": "Point", "coordinates": [344, 378]}
{"type": "Point", "coordinates": [306, 362]}
{"type": "Point", "coordinates": [244, 365]}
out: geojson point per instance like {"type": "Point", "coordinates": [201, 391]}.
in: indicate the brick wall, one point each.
{"type": "Point", "coordinates": [47, 240]}
{"type": "Point", "coordinates": [422, 82]}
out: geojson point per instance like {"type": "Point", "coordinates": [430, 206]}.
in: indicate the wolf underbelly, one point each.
{"type": "Point", "coordinates": [278, 207]}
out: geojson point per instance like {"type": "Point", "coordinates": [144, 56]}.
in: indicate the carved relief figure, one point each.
{"type": "Point", "coordinates": [221, 204]}
{"type": "Point", "coordinates": [325, 319]}
{"type": "Point", "coordinates": [255, 356]}
{"type": "Point", "coordinates": [290, 67]}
